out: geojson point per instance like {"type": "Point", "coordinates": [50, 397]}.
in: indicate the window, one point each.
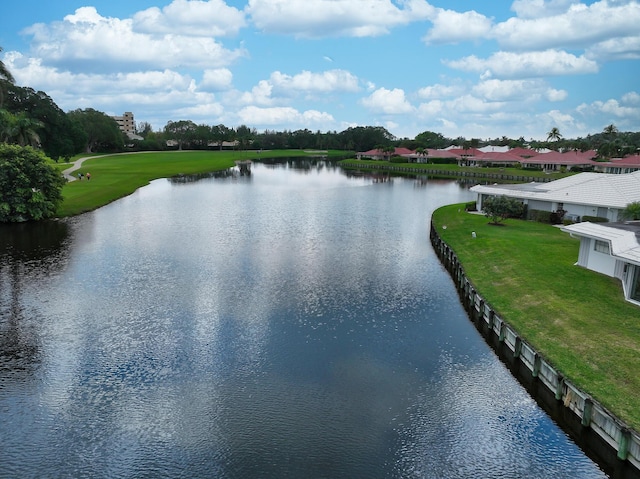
{"type": "Point", "coordinates": [602, 247]}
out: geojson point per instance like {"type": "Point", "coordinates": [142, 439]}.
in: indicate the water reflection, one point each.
{"type": "Point", "coordinates": [294, 325]}
{"type": "Point", "coordinates": [35, 250]}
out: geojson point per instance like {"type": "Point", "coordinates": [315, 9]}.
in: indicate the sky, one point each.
{"type": "Point", "coordinates": [476, 69]}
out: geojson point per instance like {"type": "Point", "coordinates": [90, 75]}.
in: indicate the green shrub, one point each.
{"type": "Point", "coordinates": [540, 216]}
{"type": "Point", "coordinates": [443, 161]}
{"type": "Point", "coordinates": [595, 219]}
{"type": "Point", "coordinates": [471, 206]}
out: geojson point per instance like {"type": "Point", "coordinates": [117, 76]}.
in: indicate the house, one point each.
{"type": "Point", "coordinates": [555, 161]}
{"type": "Point", "coordinates": [612, 249]}
{"type": "Point", "coordinates": [379, 154]}
{"type": "Point", "coordinates": [585, 194]}
{"type": "Point", "coordinates": [627, 164]}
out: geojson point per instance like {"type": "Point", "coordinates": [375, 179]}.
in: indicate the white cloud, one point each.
{"type": "Point", "coordinates": [90, 41]}
{"type": "Point", "coordinates": [526, 65]}
{"type": "Point", "coordinates": [453, 27]}
{"type": "Point", "coordinates": [539, 8]}
{"type": "Point", "coordinates": [388, 101]}
{"type": "Point", "coordinates": [556, 95]}
{"type": "Point", "coordinates": [328, 81]}
{"type": "Point", "coordinates": [579, 25]}
{"type": "Point", "coordinates": [499, 90]}
{"type": "Point", "coordinates": [191, 17]}
{"type": "Point", "coordinates": [611, 108]}
{"type": "Point", "coordinates": [631, 98]}
{"type": "Point", "coordinates": [517, 90]}
{"type": "Point", "coordinates": [217, 80]}
{"type": "Point", "coordinates": [259, 95]}
{"type": "Point", "coordinates": [439, 91]}
{"type": "Point", "coordinates": [431, 108]}
{"type": "Point", "coordinates": [616, 49]}
{"type": "Point", "coordinates": [282, 116]}
{"type": "Point", "coordinates": [321, 18]}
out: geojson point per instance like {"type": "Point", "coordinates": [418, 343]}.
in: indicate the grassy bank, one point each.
{"type": "Point", "coordinates": [454, 170]}
{"type": "Point", "coordinates": [576, 318]}
{"type": "Point", "coordinates": [116, 176]}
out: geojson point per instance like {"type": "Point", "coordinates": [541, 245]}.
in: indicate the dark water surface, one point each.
{"type": "Point", "coordinates": [290, 324]}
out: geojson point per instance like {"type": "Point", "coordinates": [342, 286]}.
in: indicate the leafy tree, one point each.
{"type": "Point", "coordinates": [364, 138]}
{"type": "Point", "coordinates": [244, 135]}
{"type": "Point", "coordinates": [430, 139]}
{"type": "Point", "coordinates": [220, 134]}
{"type": "Point", "coordinates": [180, 131]}
{"type": "Point", "coordinates": [499, 208]}
{"type": "Point", "coordinates": [30, 187]}
{"type": "Point", "coordinates": [631, 211]}
{"type": "Point", "coordinates": [55, 132]}
{"type": "Point", "coordinates": [102, 131]}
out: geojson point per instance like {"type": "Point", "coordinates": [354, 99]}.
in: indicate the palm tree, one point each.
{"type": "Point", "coordinates": [20, 129]}
{"type": "Point", "coordinates": [632, 211]}
{"type": "Point", "coordinates": [5, 75]}
{"type": "Point", "coordinates": [554, 134]}
{"type": "Point", "coordinates": [610, 130]}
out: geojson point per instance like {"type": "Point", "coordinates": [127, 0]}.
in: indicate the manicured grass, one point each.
{"type": "Point", "coordinates": [116, 176]}
{"type": "Point", "coordinates": [454, 169]}
{"type": "Point", "coordinates": [576, 318]}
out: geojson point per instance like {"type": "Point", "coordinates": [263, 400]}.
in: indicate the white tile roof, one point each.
{"type": "Point", "coordinates": [624, 244]}
{"type": "Point", "coordinates": [599, 189]}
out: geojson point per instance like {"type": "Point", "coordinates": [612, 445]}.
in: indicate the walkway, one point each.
{"type": "Point", "coordinates": [75, 165]}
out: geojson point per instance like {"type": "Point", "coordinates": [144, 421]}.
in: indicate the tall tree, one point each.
{"type": "Point", "coordinates": [554, 134]}
{"type": "Point", "coordinates": [55, 132]}
{"type": "Point", "coordinates": [102, 131]}
{"type": "Point", "coordinates": [180, 131]}
{"type": "Point", "coordinates": [21, 130]}
{"type": "Point", "coordinates": [610, 131]}
{"type": "Point", "coordinates": [5, 76]}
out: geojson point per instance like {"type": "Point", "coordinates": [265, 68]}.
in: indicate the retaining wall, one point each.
{"type": "Point", "coordinates": [621, 451]}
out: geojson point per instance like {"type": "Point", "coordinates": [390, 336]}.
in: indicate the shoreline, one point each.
{"type": "Point", "coordinates": [602, 435]}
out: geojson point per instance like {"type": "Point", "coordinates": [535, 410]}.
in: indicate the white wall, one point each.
{"type": "Point", "coordinates": [600, 262]}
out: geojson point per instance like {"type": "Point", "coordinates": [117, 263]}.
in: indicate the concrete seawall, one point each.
{"type": "Point", "coordinates": [604, 437]}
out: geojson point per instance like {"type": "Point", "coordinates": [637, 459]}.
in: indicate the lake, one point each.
{"type": "Point", "coordinates": [290, 323]}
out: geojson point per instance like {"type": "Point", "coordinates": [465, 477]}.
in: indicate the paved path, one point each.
{"type": "Point", "coordinates": [75, 165]}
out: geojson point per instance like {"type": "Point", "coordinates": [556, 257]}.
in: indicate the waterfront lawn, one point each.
{"type": "Point", "coordinates": [119, 175]}
{"type": "Point", "coordinates": [576, 318]}
{"type": "Point", "coordinates": [454, 169]}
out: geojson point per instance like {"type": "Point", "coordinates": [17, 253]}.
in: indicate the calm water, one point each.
{"type": "Point", "coordinates": [291, 324]}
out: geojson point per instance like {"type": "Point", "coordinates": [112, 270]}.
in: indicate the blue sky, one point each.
{"type": "Point", "coordinates": [457, 67]}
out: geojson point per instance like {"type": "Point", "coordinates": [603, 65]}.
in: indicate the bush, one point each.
{"type": "Point", "coordinates": [595, 219]}
{"type": "Point", "coordinates": [442, 161]}
{"type": "Point", "coordinates": [540, 216]}
{"type": "Point", "coordinates": [471, 206]}
{"type": "Point", "coordinates": [499, 208]}
{"type": "Point", "coordinates": [30, 187]}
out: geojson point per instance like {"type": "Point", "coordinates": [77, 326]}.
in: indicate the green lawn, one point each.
{"type": "Point", "coordinates": [455, 169]}
{"type": "Point", "coordinates": [576, 318]}
{"type": "Point", "coordinates": [119, 175]}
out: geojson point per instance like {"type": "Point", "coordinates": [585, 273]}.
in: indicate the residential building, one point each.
{"type": "Point", "coordinates": [127, 125]}
{"type": "Point", "coordinates": [585, 194]}
{"type": "Point", "coordinates": [612, 249]}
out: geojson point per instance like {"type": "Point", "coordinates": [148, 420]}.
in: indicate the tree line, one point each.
{"type": "Point", "coordinates": [29, 117]}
